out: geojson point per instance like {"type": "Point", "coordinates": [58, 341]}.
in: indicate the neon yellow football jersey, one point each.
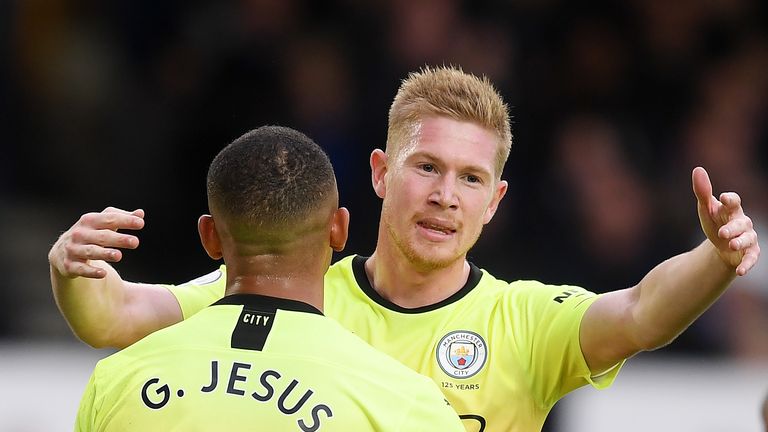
{"type": "Point", "coordinates": [252, 362]}
{"type": "Point", "coordinates": [502, 353]}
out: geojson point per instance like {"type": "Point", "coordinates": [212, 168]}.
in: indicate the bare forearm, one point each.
{"type": "Point", "coordinates": [90, 306]}
{"type": "Point", "coordinates": [672, 295]}
{"type": "Point", "coordinates": [676, 292]}
{"type": "Point", "coordinates": [101, 308]}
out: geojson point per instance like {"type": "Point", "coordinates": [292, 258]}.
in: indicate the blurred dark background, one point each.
{"type": "Point", "coordinates": [124, 103]}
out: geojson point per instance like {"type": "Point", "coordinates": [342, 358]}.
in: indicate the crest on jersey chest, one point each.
{"type": "Point", "coordinates": [461, 353]}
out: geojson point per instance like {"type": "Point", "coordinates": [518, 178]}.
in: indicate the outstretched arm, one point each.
{"type": "Point", "coordinates": [102, 309]}
{"type": "Point", "coordinates": [676, 292]}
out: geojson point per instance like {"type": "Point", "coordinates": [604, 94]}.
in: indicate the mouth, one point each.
{"type": "Point", "coordinates": [437, 227]}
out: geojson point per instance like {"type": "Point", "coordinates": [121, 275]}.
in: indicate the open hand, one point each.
{"type": "Point", "coordinates": [725, 224]}
{"type": "Point", "coordinates": [94, 237]}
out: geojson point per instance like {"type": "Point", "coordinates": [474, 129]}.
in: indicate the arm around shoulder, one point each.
{"type": "Point", "coordinates": [111, 312]}
{"type": "Point", "coordinates": [102, 309]}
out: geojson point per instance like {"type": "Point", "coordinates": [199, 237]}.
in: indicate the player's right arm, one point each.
{"type": "Point", "coordinates": [102, 309]}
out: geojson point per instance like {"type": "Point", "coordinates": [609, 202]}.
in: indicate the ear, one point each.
{"type": "Point", "coordinates": [206, 227]}
{"type": "Point", "coordinates": [378, 172]}
{"type": "Point", "coordinates": [339, 229]}
{"type": "Point", "coordinates": [498, 193]}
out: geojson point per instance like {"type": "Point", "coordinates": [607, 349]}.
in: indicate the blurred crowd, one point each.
{"type": "Point", "coordinates": [124, 103]}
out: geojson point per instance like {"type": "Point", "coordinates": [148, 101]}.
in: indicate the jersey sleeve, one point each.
{"type": "Point", "coordinates": [551, 340]}
{"type": "Point", "coordinates": [86, 414]}
{"type": "Point", "coordinates": [200, 293]}
{"type": "Point", "coordinates": [430, 411]}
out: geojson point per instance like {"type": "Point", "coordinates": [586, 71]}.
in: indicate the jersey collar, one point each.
{"type": "Point", "coordinates": [267, 303]}
{"type": "Point", "coordinates": [358, 269]}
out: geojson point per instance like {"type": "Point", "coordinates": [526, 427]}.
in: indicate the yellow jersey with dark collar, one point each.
{"type": "Point", "coordinates": [252, 362]}
{"type": "Point", "coordinates": [502, 353]}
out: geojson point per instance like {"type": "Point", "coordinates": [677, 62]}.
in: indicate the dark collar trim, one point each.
{"type": "Point", "coordinates": [358, 269]}
{"type": "Point", "coordinates": [267, 303]}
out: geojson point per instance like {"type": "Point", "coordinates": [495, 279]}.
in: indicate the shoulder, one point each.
{"type": "Point", "coordinates": [162, 350]}
{"type": "Point", "coordinates": [215, 277]}
{"type": "Point", "coordinates": [358, 352]}
{"type": "Point", "coordinates": [341, 280]}
{"type": "Point", "coordinates": [200, 292]}
{"type": "Point", "coordinates": [341, 269]}
{"type": "Point", "coordinates": [531, 295]}
{"type": "Point", "coordinates": [169, 339]}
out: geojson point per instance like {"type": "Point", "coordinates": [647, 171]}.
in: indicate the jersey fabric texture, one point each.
{"type": "Point", "coordinates": [252, 362]}
{"type": "Point", "coordinates": [502, 353]}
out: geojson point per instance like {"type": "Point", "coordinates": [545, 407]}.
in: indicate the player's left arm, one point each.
{"type": "Point", "coordinates": [672, 295]}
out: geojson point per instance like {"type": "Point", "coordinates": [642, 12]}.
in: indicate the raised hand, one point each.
{"type": "Point", "coordinates": [95, 236]}
{"type": "Point", "coordinates": [725, 224]}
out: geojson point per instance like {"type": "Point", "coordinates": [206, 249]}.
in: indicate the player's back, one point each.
{"type": "Point", "coordinates": [259, 363]}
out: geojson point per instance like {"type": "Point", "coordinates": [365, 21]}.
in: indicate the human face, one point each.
{"type": "Point", "coordinates": [438, 190]}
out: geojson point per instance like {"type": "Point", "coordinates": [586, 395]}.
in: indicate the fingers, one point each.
{"type": "Point", "coordinates": [73, 269]}
{"type": "Point", "coordinates": [740, 233]}
{"type": "Point", "coordinates": [736, 224]}
{"type": "Point", "coordinates": [86, 251]}
{"type": "Point", "coordinates": [106, 237]}
{"type": "Point", "coordinates": [748, 261]}
{"type": "Point", "coordinates": [113, 219]}
{"type": "Point", "coordinates": [70, 259]}
{"type": "Point", "coordinates": [137, 212]}
{"type": "Point", "coordinates": [739, 230]}
{"type": "Point", "coordinates": [85, 270]}
{"type": "Point", "coordinates": [95, 237]}
{"type": "Point", "coordinates": [725, 224]}
{"type": "Point", "coordinates": [731, 200]}
{"type": "Point", "coordinates": [743, 241]}
{"type": "Point", "coordinates": [702, 186]}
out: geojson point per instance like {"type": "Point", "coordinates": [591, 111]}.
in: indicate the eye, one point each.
{"type": "Point", "coordinates": [473, 179]}
{"type": "Point", "coordinates": [427, 167]}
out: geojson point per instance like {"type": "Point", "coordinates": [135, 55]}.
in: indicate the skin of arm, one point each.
{"type": "Point", "coordinates": [672, 295]}
{"type": "Point", "coordinates": [100, 307]}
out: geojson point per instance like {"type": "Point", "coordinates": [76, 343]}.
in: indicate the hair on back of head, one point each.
{"type": "Point", "coordinates": [448, 91]}
{"type": "Point", "coordinates": [269, 180]}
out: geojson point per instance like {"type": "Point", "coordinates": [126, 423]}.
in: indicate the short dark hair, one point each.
{"type": "Point", "coordinates": [269, 179]}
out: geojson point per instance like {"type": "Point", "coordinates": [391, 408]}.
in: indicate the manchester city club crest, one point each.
{"type": "Point", "coordinates": [461, 354]}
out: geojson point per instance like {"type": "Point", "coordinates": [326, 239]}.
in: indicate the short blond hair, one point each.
{"type": "Point", "coordinates": [448, 91]}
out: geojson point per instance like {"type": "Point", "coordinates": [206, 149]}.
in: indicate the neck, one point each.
{"type": "Point", "coordinates": [275, 276]}
{"type": "Point", "coordinates": [405, 284]}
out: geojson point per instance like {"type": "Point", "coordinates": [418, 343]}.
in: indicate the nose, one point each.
{"type": "Point", "coordinates": [444, 193]}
